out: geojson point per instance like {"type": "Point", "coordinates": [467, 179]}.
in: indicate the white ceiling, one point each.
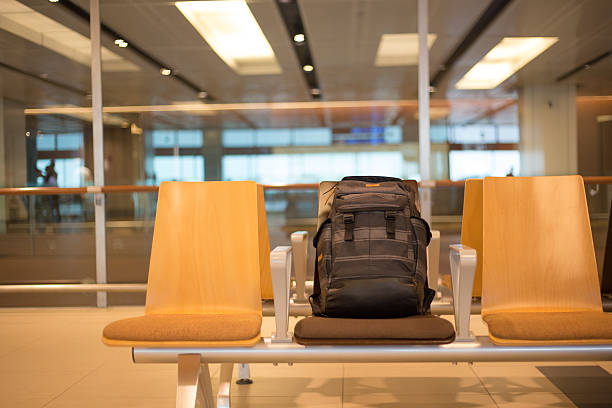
{"type": "Point", "coordinates": [343, 36]}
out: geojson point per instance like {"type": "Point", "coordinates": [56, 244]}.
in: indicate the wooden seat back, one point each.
{"type": "Point", "coordinates": [209, 249]}
{"type": "Point", "coordinates": [606, 276]}
{"type": "Point", "coordinates": [538, 253]}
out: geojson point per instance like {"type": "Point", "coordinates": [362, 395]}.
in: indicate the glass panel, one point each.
{"type": "Point", "coordinates": [190, 138]}
{"type": "Point", "coordinates": [164, 138]}
{"type": "Point", "coordinates": [466, 164]}
{"type": "Point", "coordinates": [69, 141]}
{"type": "Point", "coordinates": [45, 142]}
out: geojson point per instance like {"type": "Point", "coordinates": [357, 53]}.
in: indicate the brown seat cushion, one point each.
{"type": "Point", "coordinates": [407, 330]}
{"type": "Point", "coordinates": [565, 327]}
{"type": "Point", "coordinates": [185, 327]}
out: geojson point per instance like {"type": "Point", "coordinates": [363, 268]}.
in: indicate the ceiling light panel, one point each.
{"type": "Point", "coordinates": [26, 23]}
{"type": "Point", "coordinates": [233, 33]}
{"type": "Point", "coordinates": [400, 49]}
{"type": "Point", "coordinates": [507, 57]}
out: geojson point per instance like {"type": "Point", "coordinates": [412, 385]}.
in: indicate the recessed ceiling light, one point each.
{"type": "Point", "coordinates": [307, 68]}
{"type": "Point", "coordinates": [31, 25]}
{"type": "Point", "coordinates": [299, 38]}
{"type": "Point", "coordinates": [233, 33]}
{"type": "Point", "coordinates": [202, 95]}
{"type": "Point", "coordinates": [400, 49]}
{"type": "Point", "coordinates": [315, 91]}
{"type": "Point", "coordinates": [53, 1]}
{"type": "Point", "coordinates": [506, 58]}
{"type": "Point", "coordinates": [165, 71]}
{"type": "Point", "coordinates": [121, 43]}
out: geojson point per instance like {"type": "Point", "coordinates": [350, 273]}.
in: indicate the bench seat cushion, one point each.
{"type": "Point", "coordinates": [165, 330]}
{"type": "Point", "coordinates": [407, 330]}
{"type": "Point", "coordinates": [549, 327]}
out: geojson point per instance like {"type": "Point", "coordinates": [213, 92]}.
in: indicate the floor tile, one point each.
{"type": "Point", "coordinates": [106, 402]}
{"type": "Point", "coordinates": [410, 379]}
{"type": "Point", "coordinates": [505, 378]}
{"type": "Point", "coordinates": [299, 379]}
{"type": "Point", "coordinates": [300, 401]}
{"type": "Point", "coordinates": [532, 400]}
{"type": "Point", "coordinates": [391, 400]}
{"type": "Point", "coordinates": [36, 385]}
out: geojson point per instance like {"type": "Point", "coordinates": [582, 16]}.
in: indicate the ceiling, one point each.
{"type": "Point", "coordinates": [343, 36]}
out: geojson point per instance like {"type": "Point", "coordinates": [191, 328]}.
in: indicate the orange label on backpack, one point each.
{"type": "Point", "coordinates": [372, 185]}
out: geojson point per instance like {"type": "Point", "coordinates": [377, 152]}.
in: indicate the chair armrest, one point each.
{"type": "Point", "coordinates": [433, 262]}
{"type": "Point", "coordinates": [299, 245]}
{"type": "Point", "coordinates": [463, 268]}
{"type": "Point", "coordinates": [280, 268]}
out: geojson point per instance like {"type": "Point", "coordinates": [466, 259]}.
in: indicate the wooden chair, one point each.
{"type": "Point", "coordinates": [540, 282]}
{"type": "Point", "coordinates": [209, 268]}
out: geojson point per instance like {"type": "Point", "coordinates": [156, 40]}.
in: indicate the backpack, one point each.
{"type": "Point", "coordinates": [371, 252]}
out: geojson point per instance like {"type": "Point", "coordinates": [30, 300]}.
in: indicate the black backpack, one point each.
{"type": "Point", "coordinates": [371, 252]}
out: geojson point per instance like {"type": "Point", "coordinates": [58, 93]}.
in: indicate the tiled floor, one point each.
{"type": "Point", "coordinates": [54, 358]}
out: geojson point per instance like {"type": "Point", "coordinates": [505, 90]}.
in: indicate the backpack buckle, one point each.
{"type": "Point", "coordinates": [390, 221]}
{"type": "Point", "coordinates": [349, 224]}
{"type": "Point", "coordinates": [348, 218]}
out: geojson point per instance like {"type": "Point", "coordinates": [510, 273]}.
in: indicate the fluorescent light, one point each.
{"type": "Point", "coordinates": [503, 60]}
{"type": "Point", "coordinates": [400, 49]}
{"type": "Point", "coordinates": [233, 33]}
{"type": "Point", "coordinates": [26, 23]}
{"type": "Point", "coordinates": [299, 38]}
{"type": "Point", "coordinates": [165, 71]}
{"type": "Point", "coordinates": [307, 68]}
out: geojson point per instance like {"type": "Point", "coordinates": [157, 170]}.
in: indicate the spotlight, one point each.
{"type": "Point", "coordinates": [165, 71]}
{"type": "Point", "coordinates": [299, 38]}
{"type": "Point", "coordinates": [307, 68]}
{"type": "Point", "coordinates": [121, 43]}
{"type": "Point", "coordinates": [53, 1]}
{"type": "Point", "coordinates": [315, 91]}
{"type": "Point", "coordinates": [202, 95]}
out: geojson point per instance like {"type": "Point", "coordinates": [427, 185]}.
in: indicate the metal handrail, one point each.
{"type": "Point", "coordinates": [269, 187]}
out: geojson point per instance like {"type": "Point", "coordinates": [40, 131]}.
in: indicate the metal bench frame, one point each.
{"type": "Point", "coordinates": [194, 378]}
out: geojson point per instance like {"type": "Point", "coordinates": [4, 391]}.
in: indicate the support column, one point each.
{"type": "Point", "coordinates": [13, 163]}
{"type": "Point", "coordinates": [98, 147]}
{"type": "Point", "coordinates": [549, 137]}
{"type": "Point", "coordinates": [213, 154]}
{"type": "Point", "coordinates": [424, 143]}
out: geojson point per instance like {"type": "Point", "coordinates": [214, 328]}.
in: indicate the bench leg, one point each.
{"type": "Point", "coordinates": [225, 383]}
{"type": "Point", "coordinates": [205, 394]}
{"type": "Point", "coordinates": [193, 382]}
{"type": "Point", "coordinates": [244, 375]}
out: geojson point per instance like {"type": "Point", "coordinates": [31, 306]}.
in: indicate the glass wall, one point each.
{"type": "Point", "coordinates": [335, 94]}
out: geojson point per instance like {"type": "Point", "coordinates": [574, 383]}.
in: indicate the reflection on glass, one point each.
{"type": "Point", "coordinates": [465, 164]}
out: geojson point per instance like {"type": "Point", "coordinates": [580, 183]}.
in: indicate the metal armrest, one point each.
{"type": "Point", "coordinates": [299, 245]}
{"type": "Point", "coordinates": [463, 268]}
{"type": "Point", "coordinates": [433, 262]}
{"type": "Point", "coordinates": [280, 267]}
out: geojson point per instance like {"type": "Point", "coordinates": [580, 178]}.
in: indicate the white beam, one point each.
{"type": "Point", "coordinates": [424, 144]}
{"type": "Point", "coordinates": [98, 147]}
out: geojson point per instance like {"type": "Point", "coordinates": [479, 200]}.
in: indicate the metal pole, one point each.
{"type": "Point", "coordinates": [424, 144]}
{"type": "Point", "coordinates": [98, 147]}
